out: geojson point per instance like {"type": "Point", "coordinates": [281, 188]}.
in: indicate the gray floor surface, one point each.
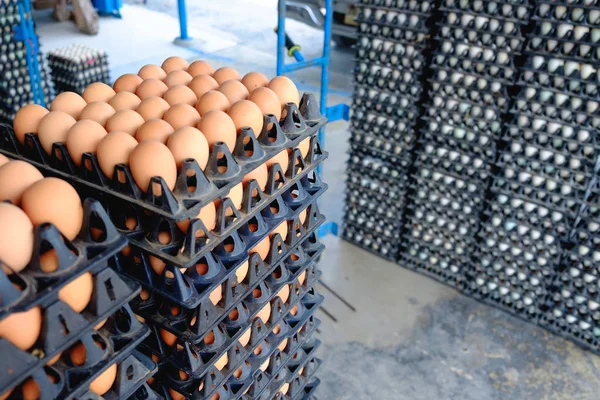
{"type": "Point", "coordinates": [388, 332]}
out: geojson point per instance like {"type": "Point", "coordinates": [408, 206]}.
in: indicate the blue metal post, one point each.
{"type": "Point", "coordinates": [325, 65]}
{"type": "Point", "coordinates": [280, 36]}
{"type": "Point", "coordinates": [183, 27]}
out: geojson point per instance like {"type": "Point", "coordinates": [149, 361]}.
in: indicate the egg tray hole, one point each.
{"type": "Point", "coordinates": [62, 326]}
{"type": "Point", "coordinates": [182, 290]}
{"type": "Point", "coordinates": [299, 124]}
{"type": "Point", "coordinates": [212, 315]}
{"type": "Point", "coordinates": [184, 250]}
{"type": "Point", "coordinates": [213, 378]}
{"type": "Point", "coordinates": [196, 360]}
{"type": "Point", "coordinates": [108, 344]}
{"type": "Point", "coordinates": [266, 382]}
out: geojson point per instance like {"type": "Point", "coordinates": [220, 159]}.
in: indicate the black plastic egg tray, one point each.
{"type": "Point", "coordinates": [447, 272]}
{"type": "Point", "coordinates": [391, 151]}
{"type": "Point", "coordinates": [449, 135]}
{"type": "Point", "coordinates": [485, 36]}
{"type": "Point", "coordinates": [383, 126]}
{"type": "Point", "coordinates": [73, 73]}
{"type": "Point", "coordinates": [210, 379]}
{"type": "Point", "coordinates": [366, 240]}
{"type": "Point", "coordinates": [388, 53]}
{"type": "Point", "coordinates": [498, 99]}
{"type": "Point", "coordinates": [114, 343]}
{"type": "Point", "coordinates": [383, 104]}
{"type": "Point", "coordinates": [388, 82]}
{"type": "Point", "coordinates": [385, 201]}
{"type": "Point", "coordinates": [224, 170]}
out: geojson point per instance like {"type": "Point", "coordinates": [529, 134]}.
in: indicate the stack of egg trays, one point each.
{"type": "Point", "coordinates": [120, 331]}
{"type": "Point", "coordinates": [391, 56]}
{"type": "Point", "coordinates": [473, 70]}
{"type": "Point", "coordinates": [15, 84]}
{"type": "Point", "coordinates": [77, 66]}
{"type": "Point", "coordinates": [560, 80]}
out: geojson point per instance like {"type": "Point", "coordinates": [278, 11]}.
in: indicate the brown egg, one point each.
{"type": "Point", "coordinates": [31, 390]}
{"type": "Point", "coordinates": [261, 175]}
{"type": "Point", "coordinates": [178, 77]}
{"type": "Point", "coordinates": [174, 64]}
{"type": "Point", "coordinates": [281, 347]}
{"type": "Point", "coordinates": [78, 293]}
{"type": "Point", "coordinates": [125, 101]}
{"type": "Point", "coordinates": [282, 229]}
{"type": "Point", "coordinates": [245, 338]}
{"type": "Point", "coordinates": [154, 129]}
{"type": "Point", "coordinates": [98, 111]}
{"type": "Point", "coordinates": [176, 395]}
{"type": "Point", "coordinates": [27, 120]}
{"type": "Point", "coordinates": [127, 121]}
{"type": "Point", "coordinates": [22, 328]}
{"type": "Point", "coordinates": [212, 100]}
{"type": "Point", "coordinates": [284, 388]}
{"type": "Point", "coordinates": [242, 271]}
{"type": "Point", "coordinates": [221, 362]}
{"type": "Point", "coordinates": [246, 113]}
{"type": "Point", "coordinates": [83, 137]}
{"type": "Point", "coordinates": [218, 126]}
{"type": "Point", "coordinates": [114, 149]}
{"type": "Point", "coordinates": [262, 248]}
{"type": "Point", "coordinates": [53, 128]}
{"type": "Point", "coordinates": [285, 89]}
{"type": "Point", "coordinates": [69, 102]}
{"type": "Point", "coordinates": [189, 142]}
{"type": "Point", "coordinates": [6, 394]}
{"type": "Point", "coordinates": [224, 74]}
{"type": "Point", "coordinates": [264, 313]}
{"type": "Point", "coordinates": [254, 80]}
{"type": "Point", "coordinates": [281, 158]}
{"type": "Point", "coordinates": [16, 238]}
{"type": "Point", "coordinates": [304, 147]}
{"type": "Point", "coordinates": [55, 201]}
{"type": "Point", "coordinates": [149, 159]}
{"type": "Point", "coordinates": [98, 91]}
{"type": "Point", "coordinates": [104, 381]}
{"type": "Point", "coordinates": [3, 160]}
{"type": "Point", "coordinates": [208, 216]}
{"type": "Point", "coordinates": [267, 101]}
{"type": "Point", "coordinates": [127, 83]}
{"type": "Point", "coordinates": [152, 71]}
{"type": "Point", "coordinates": [200, 67]}
{"type": "Point", "coordinates": [152, 107]}
{"type": "Point", "coordinates": [284, 293]}
{"type": "Point", "coordinates": [180, 94]}
{"type": "Point", "coordinates": [236, 195]}
{"type": "Point", "coordinates": [302, 216]}
{"type": "Point", "coordinates": [202, 84]}
{"type": "Point", "coordinates": [181, 115]}
{"type": "Point", "coordinates": [168, 337]}
{"type": "Point", "coordinates": [302, 278]}
{"type": "Point", "coordinates": [234, 90]}
{"type": "Point", "coordinates": [151, 87]}
{"type": "Point", "coordinates": [15, 177]}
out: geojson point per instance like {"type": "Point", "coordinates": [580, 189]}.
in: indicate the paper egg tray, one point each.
{"type": "Point", "coordinates": [212, 378]}
{"type": "Point", "coordinates": [283, 197]}
{"type": "Point", "coordinates": [224, 169]}
{"type": "Point", "coordinates": [189, 289]}
{"type": "Point", "coordinates": [114, 343]}
{"type": "Point", "coordinates": [159, 313]}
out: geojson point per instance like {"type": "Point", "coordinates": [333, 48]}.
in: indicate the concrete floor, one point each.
{"type": "Point", "coordinates": [388, 332]}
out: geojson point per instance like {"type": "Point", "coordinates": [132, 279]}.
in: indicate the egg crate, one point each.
{"type": "Point", "coordinates": [380, 201]}
{"type": "Point", "coordinates": [224, 170]}
{"type": "Point", "coordinates": [458, 137]}
{"type": "Point", "coordinates": [232, 226]}
{"type": "Point", "coordinates": [391, 80]}
{"type": "Point", "coordinates": [387, 150]}
{"type": "Point", "coordinates": [568, 85]}
{"type": "Point", "coordinates": [309, 390]}
{"type": "Point", "coordinates": [428, 238]}
{"type": "Point", "coordinates": [580, 14]}
{"type": "Point", "coordinates": [383, 127]}
{"type": "Point", "coordinates": [448, 273]}
{"type": "Point", "coordinates": [207, 315]}
{"type": "Point", "coordinates": [364, 170]}
{"type": "Point", "coordinates": [506, 74]}
{"type": "Point", "coordinates": [190, 289]}
{"type": "Point", "coordinates": [546, 29]}
{"type": "Point", "coordinates": [516, 10]}
{"type": "Point", "coordinates": [390, 53]}
{"type": "Point", "coordinates": [397, 5]}
{"type": "Point", "coordinates": [426, 216]}
{"type": "Point", "coordinates": [302, 386]}
{"type": "Point", "coordinates": [454, 162]}
{"type": "Point", "coordinates": [564, 49]}
{"type": "Point", "coordinates": [493, 97]}
{"type": "Point", "coordinates": [383, 104]}
{"type": "Point", "coordinates": [452, 117]}
{"type": "Point", "coordinates": [373, 191]}
{"type": "Point", "coordinates": [77, 66]}
{"type": "Point", "coordinates": [286, 363]}
{"type": "Point", "coordinates": [410, 26]}
{"type": "Point", "coordinates": [387, 228]}
{"type": "Point", "coordinates": [494, 33]}
{"type": "Point", "coordinates": [111, 344]}
{"type": "Point", "coordinates": [366, 240]}
{"type": "Point", "coordinates": [204, 387]}
{"type": "Point", "coordinates": [556, 66]}
{"type": "Point", "coordinates": [479, 54]}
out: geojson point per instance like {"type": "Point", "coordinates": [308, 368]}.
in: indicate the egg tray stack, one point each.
{"type": "Point", "coordinates": [72, 348]}
{"type": "Point", "coordinates": [547, 162]}
{"type": "Point", "coordinates": [76, 66]}
{"type": "Point", "coordinates": [15, 83]}
{"type": "Point", "coordinates": [556, 119]}
{"type": "Point", "coordinates": [391, 60]}
{"type": "Point", "coordinates": [473, 70]}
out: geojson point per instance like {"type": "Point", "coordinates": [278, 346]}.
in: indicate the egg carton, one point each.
{"type": "Point", "coordinates": [518, 10]}
{"type": "Point", "coordinates": [190, 289]}
{"type": "Point", "coordinates": [224, 170]}
{"type": "Point", "coordinates": [557, 67]}
{"type": "Point", "coordinates": [386, 228]}
{"type": "Point", "coordinates": [203, 387]}
{"type": "Point", "coordinates": [366, 240]}
{"type": "Point", "coordinates": [384, 104]}
{"type": "Point", "coordinates": [565, 49]}
{"type": "Point", "coordinates": [442, 270]}
{"type": "Point", "coordinates": [575, 87]}
{"type": "Point", "coordinates": [284, 363]}
{"type": "Point", "coordinates": [465, 114]}
{"type": "Point", "coordinates": [375, 195]}
{"type": "Point", "coordinates": [391, 80]}
{"type": "Point", "coordinates": [207, 315]}
{"type": "Point", "coordinates": [493, 33]}
{"type": "Point", "coordinates": [384, 128]}
{"type": "Point", "coordinates": [113, 343]}
{"type": "Point", "coordinates": [552, 104]}
{"type": "Point", "coordinates": [550, 29]}
{"type": "Point", "coordinates": [580, 14]}
{"type": "Point", "coordinates": [454, 162]}
{"type": "Point", "coordinates": [455, 197]}
{"type": "Point", "coordinates": [387, 150]}
{"type": "Point", "coordinates": [506, 73]}
{"type": "Point", "coordinates": [184, 250]}
{"type": "Point", "coordinates": [413, 37]}
{"type": "Point", "coordinates": [378, 175]}
{"type": "Point", "coordinates": [390, 53]}
{"type": "Point", "coordinates": [397, 5]}
{"type": "Point", "coordinates": [454, 136]}
{"type": "Point", "coordinates": [420, 236]}
{"type": "Point", "coordinates": [437, 218]}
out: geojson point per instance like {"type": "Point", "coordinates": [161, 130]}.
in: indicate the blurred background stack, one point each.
{"type": "Point", "coordinates": [77, 66]}
{"type": "Point", "coordinates": [389, 85]}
